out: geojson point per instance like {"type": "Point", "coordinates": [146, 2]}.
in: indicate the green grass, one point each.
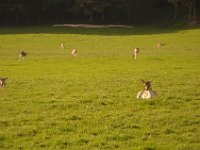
{"type": "Point", "coordinates": [54, 101]}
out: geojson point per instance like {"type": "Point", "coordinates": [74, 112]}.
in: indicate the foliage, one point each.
{"type": "Point", "coordinates": [109, 11]}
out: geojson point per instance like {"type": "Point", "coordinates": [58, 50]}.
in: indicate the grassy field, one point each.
{"type": "Point", "coordinates": [54, 101]}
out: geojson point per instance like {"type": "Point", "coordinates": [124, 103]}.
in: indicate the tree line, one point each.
{"type": "Point", "coordinates": [94, 11]}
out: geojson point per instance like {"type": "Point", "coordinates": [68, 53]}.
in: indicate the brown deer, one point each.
{"type": "Point", "coordinates": [147, 93]}
{"type": "Point", "coordinates": [160, 45]}
{"type": "Point", "coordinates": [22, 55]}
{"type": "Point", "coordinates": [135, 52]}
{"type": "Point", "coordinates": [3, 82]}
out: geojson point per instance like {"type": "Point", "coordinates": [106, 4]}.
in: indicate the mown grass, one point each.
{"type": "Point", "coordinates": [54, 101]}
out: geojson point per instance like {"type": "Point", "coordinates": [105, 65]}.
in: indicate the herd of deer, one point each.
{"type": "Point", "coordinates": [147, 93]}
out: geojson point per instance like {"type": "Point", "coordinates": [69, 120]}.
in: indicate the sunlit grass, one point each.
{"type": "Point", "coordinates": [54, 101]}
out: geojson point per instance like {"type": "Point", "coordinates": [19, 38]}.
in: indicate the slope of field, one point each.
{"type": "Point", "coordinates": [55, 101]}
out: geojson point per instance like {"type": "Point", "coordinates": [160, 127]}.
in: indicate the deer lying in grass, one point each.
{"type": "Point", "coordinates": [148, 93]}
{"type": "Point", "coordinates": [3, 82]}
{"type": "Point", "coordinates": [22, 55]}
{"type": "Point", "coordinates": [135, 52]}
{"type": "Point", "coordinates": [160, 45]}
{"type": "Point", "coordinates": [74, 52]}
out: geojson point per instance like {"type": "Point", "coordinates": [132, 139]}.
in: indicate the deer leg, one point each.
{"type": "Point", "coordinates": [19, 58]}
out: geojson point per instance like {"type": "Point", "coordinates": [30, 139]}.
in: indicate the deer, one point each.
{"type": "Point", "coordinates": [160, 45]}
{"type": "Point", "coordinates": [74, 52]}
{"type": "Point", "coordinates": [147, 93]}
{"type": "Point", "coordinates": [22, 55]}
{"type": "Point", "coordinates": [62, 46]}
{"type": "Point", "coordinates": [135, 52]}
{"type": "Point", "coordinates": [3, 82]}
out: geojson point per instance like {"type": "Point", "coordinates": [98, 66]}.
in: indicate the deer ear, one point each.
{"type": "Point", "coordinates": [142, 81]}
{"type": "Point", "coordinates": [151, 80]}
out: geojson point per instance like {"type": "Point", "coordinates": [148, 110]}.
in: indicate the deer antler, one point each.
{"type": "Point", "coordinates": [142, 81]}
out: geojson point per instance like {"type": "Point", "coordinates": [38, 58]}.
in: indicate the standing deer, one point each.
{"type": "Point", "coordinates": [3, 82]}
{"type": "Point", "coordinates": [74, 52]}
{"type": "Point", "coordinates": [160, 45]}
{"type": "Point", "coordinates": [22, 55]}
{"type": "Point", "coordinates": [147, 93]}
{"type": "Point", "coordinates": [135, 52]}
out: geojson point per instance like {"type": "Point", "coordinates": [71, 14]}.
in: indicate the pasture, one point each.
{"type": "Point", "coordinates": [55, 101]}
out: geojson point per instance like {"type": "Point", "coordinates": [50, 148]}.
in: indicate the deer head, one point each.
{"type": "Point", "coordinates": [147, 84]}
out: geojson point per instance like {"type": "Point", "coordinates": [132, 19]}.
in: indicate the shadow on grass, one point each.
{"type": "Point", "coordinates": [136, 30]}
